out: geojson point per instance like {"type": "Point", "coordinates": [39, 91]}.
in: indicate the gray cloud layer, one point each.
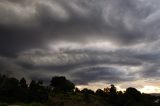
{"type": "Point", "coordinates": [86, 40]}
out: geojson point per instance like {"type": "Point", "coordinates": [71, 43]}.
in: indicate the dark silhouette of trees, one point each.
{"type": "Point", "coordinates": [9, 89]}
{"type": "Point", "coordinates": [132, 97]}
{"type": "Point", "coordinates": [101, 93]}
{"type": "Point", "coordinates": [87, 91]}
{"type": "Point", "coordinates": [107, 90]}
{"type": "Point", "coordinates": [113, 94]}
{"type": "Point", "coordinates": [86, 94]}
{"type": "Point", "coordinates": [23, 83]}
{"type": "Point", "coordinates": [14, 91]}
{"type": "Point", "coordinates": [132, 93]}
{"type": "Point", "coordinates": [113, 91]}
{"type": "Point", "coordinates": [23, 90]}
{"type": "Point", "coordinates": [77, 90]}
{"type": "Point", "coordinates": [37, 92]}
{"type": "Point", "coordinates": [61, 84]}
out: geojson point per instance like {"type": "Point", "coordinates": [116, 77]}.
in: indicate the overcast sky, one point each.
{"type": "Point", "coordinates": [91, 42]}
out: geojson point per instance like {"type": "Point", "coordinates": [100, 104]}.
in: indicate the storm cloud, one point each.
{"type": "Point", "coordinates": [88, 41]}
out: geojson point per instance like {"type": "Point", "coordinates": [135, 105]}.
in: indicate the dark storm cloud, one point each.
{"type": "Point", "coordinates": [152, 57]}
{"type": "Point", "coordinates": [70, 59]}
{"type": "Point", "coordinates": [49, 37]}
{"type": "Point", "coordinates": [10, 68]}
{"type": "Point", "coordinates": [43, 21]}
{"type": "Point", "coordinates": [152, 72]}
{"type": "Point", "coordinates": [65, 63]}
{"type": "Point", "coordinates": [94, 74]}
{"type": "Point", "coordinates": [83, 19]}
{"type": "Point", "coordinates": [14, 40]}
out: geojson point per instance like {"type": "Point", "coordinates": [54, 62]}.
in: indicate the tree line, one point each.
{"type": "Point", "coordinates": [13, 90]}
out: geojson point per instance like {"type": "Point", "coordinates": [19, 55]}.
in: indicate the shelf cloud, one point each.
{"type": "Point", "coordinates": [86, 40]}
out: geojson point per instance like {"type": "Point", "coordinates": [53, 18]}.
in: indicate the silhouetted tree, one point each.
{"type": "Point", "coordinates": [23, 83]}
{"type": "Point", "coordinates": [101, 93]}
{"type": "Point", "coordinates": [3, 91]}
{"type": "Point", "coordinates": [120, 98]}
{"type": "Point", "coordinates": [132, 97]}
{"type": "Point", "coordinates": [77, 90]}
{"type": "Point", "coordinates": [37, 92]}
{"type": "Point", "coordinates": [133, 93]}
{"type": "Point", "coordinates": [87, 91]}
{"type": "Point", "coordinates": [62, 84]}
{"type": "Point", "coordinates": [23, 90]}
{"type": "Point", "coordinates": [9, 89]}
{"type": "Point", "coordinates": [15, 91]}
{"type": "Point", "coordinates": [113, 94]}
{"type": "Point", "coordinates": [107, 90]}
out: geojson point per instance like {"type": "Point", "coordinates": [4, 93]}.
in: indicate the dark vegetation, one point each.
{"type": "Point", "coordinates": [62, 92]}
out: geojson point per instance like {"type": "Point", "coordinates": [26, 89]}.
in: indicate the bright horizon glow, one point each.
{"type": "Point", "coordinates": [150, 89]}
{"type": "Point", "coordinates": [94, 87]}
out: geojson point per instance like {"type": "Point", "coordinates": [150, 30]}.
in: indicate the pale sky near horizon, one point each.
{"type": "Point", "coordinates": [94, 43]}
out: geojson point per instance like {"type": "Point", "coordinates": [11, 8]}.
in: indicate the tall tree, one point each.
{"type": "Point", "coordinates": [23, 90]}
{"type": "Point", "coordinates": [60, 83]}
{"type": "Point", "coordinates": [113, 94]}
{"type": "Point", "coordinates": [37, 92]}
{"type": "Point", "coordinates": [23, 83]}
{"type": "Point", "coordinates": [133, 93]}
